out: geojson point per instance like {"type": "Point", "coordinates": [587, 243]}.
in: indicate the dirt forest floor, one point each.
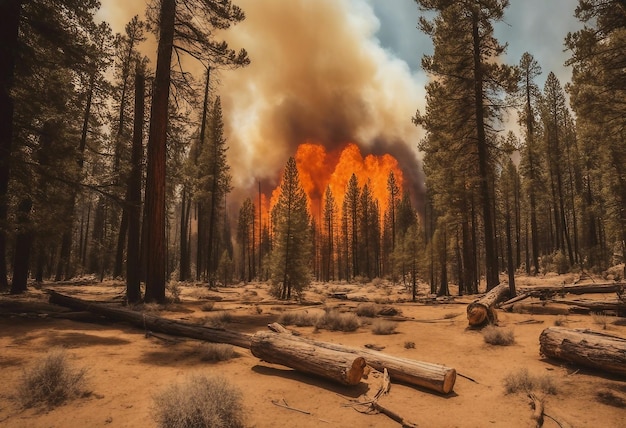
{"type": "Point", "coordinates": [126, 367]}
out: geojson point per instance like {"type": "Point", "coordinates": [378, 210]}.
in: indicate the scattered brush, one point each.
{"type": "Point", "coordinates": [51, 381]}
{"type": "Point", "coordinates": [207, 306]}
{"type": "Point", "coordinates": [299, 318]}
{"type": "Point", "coordinates": [367, 310]}
{"type": "Point", "coordinates": [336, 321]}
{"type": "Point", "coordinates": [199, 402]}
{"type": "Point", "coordinates": [522, 381]}
{"type": "Point", "coordinates": [215, 352]}
{"type": "Point", "coordinates": [601, 320]}
{"type": "Point", "coordinates": [383, 327]}
{"type": "Point", "coordinates": [219, 319]}
{"type": "Point", "coordinates": [409, 345]}
{"type": "Point", "coordinates": [560, 321]}
{"type": "Point", "coordinates": [498, 336]}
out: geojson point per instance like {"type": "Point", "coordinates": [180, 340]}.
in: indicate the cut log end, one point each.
{"type": "Point", "coordinates": [449, 378]}
{"type": "Point", "coordinates": [357, 371]}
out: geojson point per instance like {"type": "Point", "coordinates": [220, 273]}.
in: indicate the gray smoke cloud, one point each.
{"type": "Point", "coordinates": [318, 74]}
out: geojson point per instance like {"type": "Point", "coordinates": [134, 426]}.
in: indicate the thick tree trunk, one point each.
{"type": "Point", "coordinates": [482, 310]}
{"type": "Point", "coordinates": [10, 11]}
{"type": "Point", "coordinates": [23, 246]}
{"type": "Point", "coordinates": [343, 367]}
{"type": "Point", "coordinates": [589, 348]}
{"type": "Point", "coordinates": [133, 253]}
{"type": "Point", "coordinates": [156, 172]}
{"type": "Point", "coordinates": [153, 323]}
{"type": "Point", "coordinates": [434, 377]}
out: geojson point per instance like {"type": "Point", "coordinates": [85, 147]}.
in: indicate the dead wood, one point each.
{"type": "Point", "coordinates": [481, 311]}
{"type": "Point", "coordinates": [588, 348]}
{"type": "Point", "coordinates": [149, 322]}
{"type": "Point", "coordinates": [278, 328]}
{"type": "Point", "coordinates": [288, 350]}
{"type": "Point", "coordinates": [509, 303]}
{"type": "Point", "coordinates": [284, 405]}
{"type": "Point", "coordinates": [434, 377]}
{"type": "Point", "coordinates": [614, 305]}
{"type": "Point", "coordinates": [549, 290]}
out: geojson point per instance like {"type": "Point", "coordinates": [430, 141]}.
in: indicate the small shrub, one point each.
{"type": "Point", "coordinates": [559, 321]}
{"type": "Point", "coordinates": [600, 320]}
{"type": "Point", "coordinates": [498, 336]}
{"type": "Point", "coordinates": [258, 310]}
{"type": "Point", "coordinates": [336, 321]}
{"type": "Point", "coordinates": [522, 381]}
{"type": "Point", "coordinates": [215, 352]}
{"type": "Point", "coordinates": [175, 291]}
{"type": "Point", "coordinates": [409, 345]}
{"type": "Point", "coordinates": [383, 327]}
{"type": "Point", "coordinates": [219, 319]}
{"type": "Point", "coordinates": [367, 310]}
{"type": "Point", "coordinates": [299, 318]}
{"type": "Point", "coordinates": [207, 306]}
{"type": "Point", "coordinates": [199, 402]}
{"type": "Point", "coordinates": [51, 381]}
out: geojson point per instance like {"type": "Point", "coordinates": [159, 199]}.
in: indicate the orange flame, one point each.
{"type": "Point", "coordinates": [318, 169]}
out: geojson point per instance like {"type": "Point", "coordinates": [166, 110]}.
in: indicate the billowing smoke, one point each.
{"type": "Point", "coordinates": [317, 74]}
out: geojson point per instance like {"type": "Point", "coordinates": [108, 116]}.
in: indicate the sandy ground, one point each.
{"type": "Point", "coordinates": [126, 368]}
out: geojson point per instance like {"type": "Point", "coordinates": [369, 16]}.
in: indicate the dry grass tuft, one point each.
{"type": "Point", "coordinates": [219, 319]}
{"type": "Point", "coordinates": [214, 352]}
{"type": "Point", "coordinates": [601, 320]}
{"type": "Point", "coordinates": [560, 321]}
{"type": "Point", "coordinates": [199, 402]}
{"type": "Point", "coordinates": [522, 381]}
{"type": "Point", "coordinates": [367, 310]}
{"type": "Point", "coordinates": [409, 345]}
{"type": "Point", "coordinates": [51, 381]}
{"type": "Point", "coordinates": [299, 318]}
{"type": "Point", "coordinates": [498, 336]}
{"type": "Point", "coordinates": [384, 327]}
{"type": "Point", "coordinates": [336, 321]}
{"type": "Point", "coordinates": [207, 306]}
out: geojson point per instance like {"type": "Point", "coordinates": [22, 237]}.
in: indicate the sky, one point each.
{"type": "Point", "coordinates": [338, 71]}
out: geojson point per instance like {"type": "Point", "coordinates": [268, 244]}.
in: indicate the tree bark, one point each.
{"type": "Point", "coordinates": [434, 377]}
{"type": "Point", "coordinates": [589, 348]}
{"type": "Point", "coordinates": [156, 172]}
{"type": "Point", "coordinates": [133, 253]}
{"type": "Point", "coordinates": [339, 366]}
{"type": "Point", "coordinates": [482, 310]}
{"type": "Point", "coordinates": [574, 289]}
{"type": "Point", "coordinates": [154, 323]}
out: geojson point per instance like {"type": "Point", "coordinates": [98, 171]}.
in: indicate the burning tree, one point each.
{"type": "Point", "coordinates": [291, 253]}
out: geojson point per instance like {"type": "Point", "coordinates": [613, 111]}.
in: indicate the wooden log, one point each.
{"type": "Point", "coordinates": [481, 311]}
{"type": "Point", "coordinates": [434, 377]}
{"type": "Point", "coordinates": [153, 323]}
{"type": "Point", "coordinates": [589, 348]}
{"type": "Point", "coordinates": [614, 305]}
{"type": "Point", "coordinates": [277, 348]}
{"type": "Point", "coordinates": [610, 287]}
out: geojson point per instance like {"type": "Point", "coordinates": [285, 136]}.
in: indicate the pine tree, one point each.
{"type": "Point", "coordinates": [291, 252]}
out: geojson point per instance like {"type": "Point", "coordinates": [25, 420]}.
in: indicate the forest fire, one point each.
{"type": "Point", "coordinates": [319, 168]}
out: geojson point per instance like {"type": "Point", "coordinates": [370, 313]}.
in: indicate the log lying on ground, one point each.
{"type": "Point", "coordinates": [613, 305]}
{"type": "Point", "coordinates": [482, 311]}
{"type": "Point", "coordinates": [589, 348]}
{"type": "Point", "coordinates": [431, 376]}
{"type": "Point", "coordinates": [574, 289]}
{"type": "Point", "coordinates": [153, 323]}
{"type": "Point", "coordinates": [278, 348]}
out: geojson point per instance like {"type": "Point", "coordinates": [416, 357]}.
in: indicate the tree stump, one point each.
{"type": "Point", "coordinates": [481, 311]}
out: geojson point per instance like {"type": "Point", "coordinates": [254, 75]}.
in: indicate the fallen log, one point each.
{"type": "Point", "coordinates": [431, 376]}
{"type": "Point", "coordinates": [153, 323]}
{"type": "Point", "coordinates": [615, 305]}
{"type": "Point", "coordinates": [278, 348]}
{"type": "Point", "coordinates": [481, 311]}
{"type": "Point", "coordinates": [610, 287]}
{"type": "Point", "coordinates": [589, 348]}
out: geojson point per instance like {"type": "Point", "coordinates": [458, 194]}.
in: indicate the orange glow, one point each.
{"type": "Point", "coordinates": [318, 169]}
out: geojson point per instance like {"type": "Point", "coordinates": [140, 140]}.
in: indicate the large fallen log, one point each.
{"type": "Point", "coordinates": [431, 376]}
{"type": "Point", "coordinates": [277, 348]}
{"type": "Point", "coordinates": [153, 323]}
{"type": "Point", "coordinates": [589, 348]}
{"type": "Point", "coordinates": [481, 311]}
{"type": "Point", "coordinates": [614, 305]}
{"type": "Point", "coordinates": [610, 287]}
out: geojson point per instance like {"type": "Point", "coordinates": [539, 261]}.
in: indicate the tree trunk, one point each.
{"type": "Point", "coordinates": [156, 172]}
{"type": "Point", "coordinates": [574, 289]}
{"type": "Point", "coordinates": [343, 367]}
{"type": "Point", "coordinates": [153, 323]}
{"type": "Point", "coordinates": [589, 348]}
{"type": "Point", "coordinates": [418, 373]}
{"type": "Point", "coordinates": [23, 245]}
{"type": "Point", "coordinates": [482, 310]}
{"type": "Point", "coordinates": [133, 252]}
